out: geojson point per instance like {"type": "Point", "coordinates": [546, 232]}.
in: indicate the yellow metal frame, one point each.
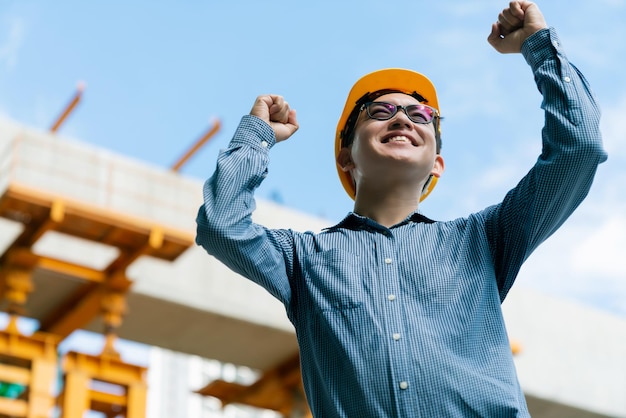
{"type": "Point", "coordinates": [30, 361]}
{"type": "Point", "coordinates": [79, 394]}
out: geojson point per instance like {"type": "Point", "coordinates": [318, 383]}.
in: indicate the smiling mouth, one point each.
{"type": "Point", "coordinates": [397, 139]}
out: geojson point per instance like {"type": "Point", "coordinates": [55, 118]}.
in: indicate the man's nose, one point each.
{"type": "Point", "coordinates": [401, 117]}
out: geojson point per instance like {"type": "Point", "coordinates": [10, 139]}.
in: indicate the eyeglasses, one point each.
{"type": "Point", "coordinates": [418, 113]}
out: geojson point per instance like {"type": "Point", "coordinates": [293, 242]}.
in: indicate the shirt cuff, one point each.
{"type": "Point", "coordinates": [255, 132]}
{"type": "Point", "coordinates": [541, 46]}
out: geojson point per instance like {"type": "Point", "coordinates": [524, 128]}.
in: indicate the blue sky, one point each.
{"type": "Point", "coordinates": [157, 73]}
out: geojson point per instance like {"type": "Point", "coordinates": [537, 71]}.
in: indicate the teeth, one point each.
{"type": "Point", "coordinates": [399, 139]}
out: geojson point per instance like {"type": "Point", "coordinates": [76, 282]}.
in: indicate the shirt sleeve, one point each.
{"type": "Point", "coordinates": [561, 177]}
{"type": "Point", "coordinates": [224, 223]}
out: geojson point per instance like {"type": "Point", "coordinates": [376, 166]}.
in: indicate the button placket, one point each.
{"type": "Point", "coordinates": [390, 270]}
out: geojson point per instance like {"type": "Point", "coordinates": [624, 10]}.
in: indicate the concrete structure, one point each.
{"type": "Point", "coordinates": [572, 361]}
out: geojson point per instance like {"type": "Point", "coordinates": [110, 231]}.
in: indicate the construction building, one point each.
{"type": "Point", "coordinates": [94, 241]}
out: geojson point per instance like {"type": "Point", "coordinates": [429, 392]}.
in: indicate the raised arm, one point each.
{"type": "Point", "coordinates": [571, 139]}
{"type": "Point", "coordinates": [224, 224]}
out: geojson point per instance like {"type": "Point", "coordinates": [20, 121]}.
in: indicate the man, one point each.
{"type": "Point", "coordinates": [397, 315]}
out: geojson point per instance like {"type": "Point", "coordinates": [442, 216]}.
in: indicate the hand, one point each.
{"type": "Point", "coordinates": [275, 111]}
{"type": "Point", "coordinates": [515, 24]}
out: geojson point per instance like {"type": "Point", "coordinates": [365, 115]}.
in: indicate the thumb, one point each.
{"type": "Point", "coordinates": [261, 108]}
{"type": "Point", "coordinates": [495, 37]}
{"type": "Point", "coordinates": [505, 44]}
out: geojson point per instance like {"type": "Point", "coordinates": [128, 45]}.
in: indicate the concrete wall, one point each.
{"type": "Point", "coordinates": [572, 354]}
{"type": "Point", "coordinates": [78, 171]}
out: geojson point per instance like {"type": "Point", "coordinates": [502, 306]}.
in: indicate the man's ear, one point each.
{"type": "Point", "coordinates": [344, 159]}
{"type": "Point", "coordinates": [438, 167]}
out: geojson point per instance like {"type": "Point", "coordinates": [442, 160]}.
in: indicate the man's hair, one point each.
{"type": "Point", "coordinates": [347, 134]}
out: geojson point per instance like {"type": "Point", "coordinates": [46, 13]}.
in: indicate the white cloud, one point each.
{"type": "Point", "coordinates": [11, 42]}
{"type": "Point", "coordinates": [602, 251]}
{"type": "Point", "coordinates": [582, 262]}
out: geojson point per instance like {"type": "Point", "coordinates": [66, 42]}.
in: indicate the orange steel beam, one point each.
{"type": "Point", "coordinates": [278, 389]}
{"type": "Point", "coordinates": [80, 309]}
{"type": "Point", "coordinates": [25, 258]}
{"type": "Point", "coordinates": [78, 396]}
{"type": "Point", "coordinates": [69, 108]}
{"type": "Point", "coordinates": [198, 144]}
{"type": "Point", "coordinates": [13, 407]}
{"type": "Point", "coordinates": [162, 242]}
{"type": "Point", "coordinates": [126, 258]}
{"type": "Point", "coordinates": [109, 370]}
{"type": "Point", "coordinates": [33, 358]}
{"type": "Point", "coordinates": [57, 213]}
{"type": "Point", "coordinates": [133, 238]}
{"type": "Point", "coordinates": [75, 312]}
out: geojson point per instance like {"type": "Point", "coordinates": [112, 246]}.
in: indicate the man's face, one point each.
{"type": "Point", "coordinates": [395, 147]}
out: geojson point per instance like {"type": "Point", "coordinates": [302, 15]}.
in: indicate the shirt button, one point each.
{"type": "Point", "coordinates": [387, 260]}
{"type": "Point", "coordinates": [567, 79]}
{"type": "Point", "coordinates": [391, 297]}
{"type": "Point", "coordinates": [404, 385]}
{"type": "Point", "coordinates": [264, 144]}
{"type": "Point", "coordinates": [396, 336]}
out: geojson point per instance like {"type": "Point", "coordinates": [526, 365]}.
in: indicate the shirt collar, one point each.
{"type": "Point", "coordinates": [354, 221]}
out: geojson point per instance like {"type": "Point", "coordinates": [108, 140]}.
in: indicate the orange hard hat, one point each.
{"type": "Point", "coordinates": [389, 79]}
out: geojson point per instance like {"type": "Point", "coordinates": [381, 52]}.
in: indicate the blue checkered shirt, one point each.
{"type": "Point", "coordinates": [406, 321]}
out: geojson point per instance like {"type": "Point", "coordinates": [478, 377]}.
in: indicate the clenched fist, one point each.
{"type": "Point", "coordinates": [275, 111]}
{"type": "Point", "coordinates": [515, 24]}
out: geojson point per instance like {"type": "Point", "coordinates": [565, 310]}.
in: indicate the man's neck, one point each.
{"type": "Point", "coordinates": [387, 207]}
